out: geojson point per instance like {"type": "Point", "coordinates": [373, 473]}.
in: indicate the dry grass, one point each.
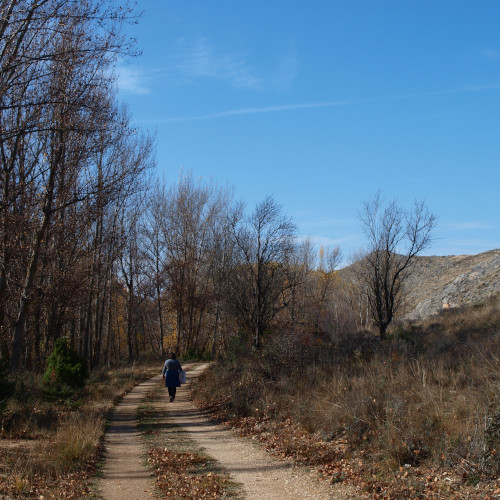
{"type": "Point", "coordinates": [107, 385]}
{"type": "Point", "coordinates": [427, 399]}
{"type": "Point", "coordinates": [57, 466]}
{"type": "Point", "coordinates": [49, 447]}
{"type": "Point", "coordinates": [414, 410]}
{"type": "Point", "coordinates": [76, 441]}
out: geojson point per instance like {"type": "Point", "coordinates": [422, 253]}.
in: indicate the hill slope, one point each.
{"type": "Point", "coordinates": [452, 281]}
{"type": "Point", "coordinates": [449, 281]}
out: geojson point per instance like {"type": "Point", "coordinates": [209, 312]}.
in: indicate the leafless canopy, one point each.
{"type": "Point", "coordinates": [67, 153]}
{"type": "Point", "coordinates": [395, 236]}
{"type": "Point", "coordinates": [264, 246]}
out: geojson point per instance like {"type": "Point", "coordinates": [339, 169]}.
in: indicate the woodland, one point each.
{"type": "Point", "coordinates": [93, 247]}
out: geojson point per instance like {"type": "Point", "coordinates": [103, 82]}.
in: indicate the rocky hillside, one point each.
{"type": "Point", "coordinates": [452, 281]}
{"type": "Point", "coordinates": [447, 282]}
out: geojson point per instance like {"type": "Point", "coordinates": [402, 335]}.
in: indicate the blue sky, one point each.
{"type": "Point", "coordinates": [322, 103]}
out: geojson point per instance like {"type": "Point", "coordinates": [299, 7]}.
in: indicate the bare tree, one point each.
{"type": "Point", "coordinates": [190, 226]}
{"type": "Point", "coordinates": [155, 257]}
{"type": "Point", "coordinates": [302, 266]}
{"type": "Point", "coordinates": [395, 237]}
{"type": "Point", "coordinates": [314, 295]}
{"type": "Point", "coordinates": [259, 283]}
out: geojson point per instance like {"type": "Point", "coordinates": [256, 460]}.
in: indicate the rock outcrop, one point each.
{"type": "Point", "coordinates": [452, 281]}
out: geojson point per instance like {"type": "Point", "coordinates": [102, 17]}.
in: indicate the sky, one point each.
{"type": "Point", "coordinates": [323, 103]}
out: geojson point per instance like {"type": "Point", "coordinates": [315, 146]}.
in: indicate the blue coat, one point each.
{"type": "Point", "coordinates": [171, 370]}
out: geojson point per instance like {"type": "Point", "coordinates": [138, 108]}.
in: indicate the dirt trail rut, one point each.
{"type": "Point", "coordinates": [125, 474]}
{"type": "Point", "coordinates": [260, 475]}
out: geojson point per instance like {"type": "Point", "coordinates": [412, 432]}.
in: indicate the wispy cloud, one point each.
{"type": "Point", "coordinates": [192, 61]}
{"type": "Point", "coordinates": [251, 111]}
{"type": "Point", "coordinates": [434, 93]}
{"type": "Point", "coordinates": [491, 54]}
{"type": "Point", "coordinates": [132, 80]}
{"type": "Point", "coordinates": [202, 59]}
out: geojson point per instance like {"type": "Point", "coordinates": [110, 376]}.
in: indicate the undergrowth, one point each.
{"type": "Point", "coordinates": [50, 441]}
{"type": "Point", "coordinates": [426, 399]}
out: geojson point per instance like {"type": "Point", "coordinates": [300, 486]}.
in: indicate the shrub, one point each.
{"type": "Point", "coordinates": [65, 366]}
{"type": "Point", "coordinates": [195, 355]}
{"type": "Point", "coordinates": [427, 395]}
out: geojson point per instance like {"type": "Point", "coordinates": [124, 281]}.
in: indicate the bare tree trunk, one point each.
{"type": "Point", "coordinates": [23, 302]}
{"type": "Point", "coordinates": [35, 255]}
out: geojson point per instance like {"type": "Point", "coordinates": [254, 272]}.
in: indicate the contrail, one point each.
{"type": "Point", "coordinates": [327, 104]}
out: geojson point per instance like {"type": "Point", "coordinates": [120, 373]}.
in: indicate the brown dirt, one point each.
{"type": "Point", "coordinates": [125, 473]}
{"type": "Point", "coordinates": [260, 475]}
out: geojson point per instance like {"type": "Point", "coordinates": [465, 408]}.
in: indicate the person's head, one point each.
{"type": "Point", "coordinates": [171, 355]}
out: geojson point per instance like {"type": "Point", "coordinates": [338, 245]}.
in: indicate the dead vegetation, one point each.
{"type": "Point", "coordinates": [185, 475]}
{"type": "Point", "coordinates": [50, 447]}
{"type": "Point", "coordinates": [415, 416]}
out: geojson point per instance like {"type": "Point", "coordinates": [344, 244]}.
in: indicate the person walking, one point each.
{"type": "Point", "coordinates": [171, 371]}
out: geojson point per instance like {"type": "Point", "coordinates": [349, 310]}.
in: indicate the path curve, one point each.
{"type": "Point", "coordinates": [261, 475]}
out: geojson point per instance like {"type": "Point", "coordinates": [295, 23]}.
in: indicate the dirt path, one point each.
{"type": "Point", "coordinates": [125, 473]}
{"type": "Point", "coordinates": [261, 476]}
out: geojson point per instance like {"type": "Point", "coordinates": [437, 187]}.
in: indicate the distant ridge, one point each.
{"type": "Point", "coordinates": [448, 282]}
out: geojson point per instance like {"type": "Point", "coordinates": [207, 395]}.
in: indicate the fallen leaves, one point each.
{"type": "Point", "coordinates": [185, 475]}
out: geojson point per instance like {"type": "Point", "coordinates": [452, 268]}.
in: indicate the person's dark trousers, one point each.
{"type": "Point", "coordinates": [171, 392]}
